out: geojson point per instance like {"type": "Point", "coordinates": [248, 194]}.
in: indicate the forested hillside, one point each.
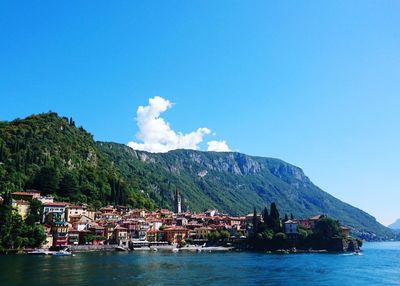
{"type": "Point", "coordinates": [232, 183]}
{"type": "Point", "coordinates": [49, 153]}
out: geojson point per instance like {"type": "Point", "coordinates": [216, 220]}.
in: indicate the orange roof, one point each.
{"type": "Point", "coordinates": [55, 204]}
{"type": "Point", "coordinates": [174, 228]}
{"type": "Point", "coordinates": [120, 228]}
{"type": "Point", "coordinates": [24, 194]}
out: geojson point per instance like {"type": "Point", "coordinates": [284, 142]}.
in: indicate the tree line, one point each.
{"type": "Point", "coordinates": [16, 233]}
{"type": "Point", "coordinates": [268, 232]}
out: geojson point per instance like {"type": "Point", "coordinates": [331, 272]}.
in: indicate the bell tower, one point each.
{"type": "Point", "coordinates": [178, 202]}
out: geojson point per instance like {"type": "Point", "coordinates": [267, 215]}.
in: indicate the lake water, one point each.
{"type": "Point", "coordinates": [379, 264]}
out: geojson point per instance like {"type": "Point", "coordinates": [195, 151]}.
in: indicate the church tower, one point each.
{"type": "Point", "coordinates": [178, 202]}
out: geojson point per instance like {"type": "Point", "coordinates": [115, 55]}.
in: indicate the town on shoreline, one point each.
{"type": "Point", "coordinates": [47, 224]}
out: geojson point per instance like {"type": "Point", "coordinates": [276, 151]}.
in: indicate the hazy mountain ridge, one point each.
{"type": "Point", "coordinates": [395, 225]}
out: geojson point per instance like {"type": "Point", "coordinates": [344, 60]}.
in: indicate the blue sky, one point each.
{"type": "Point", "coordinates": [313, 83]}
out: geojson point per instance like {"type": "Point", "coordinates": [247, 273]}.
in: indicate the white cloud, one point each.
{"type": "Point", "coordinates": [157, 135]}
{"type": "Point", "coordinates": [218, 146]}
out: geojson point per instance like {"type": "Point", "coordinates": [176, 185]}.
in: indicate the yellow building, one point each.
{"type": "Point", "coordinates": [202, 232]}
{"type": "Point", "coordinates": [74, 213]}
{"type": "Point", "coordinates": [22, 207]}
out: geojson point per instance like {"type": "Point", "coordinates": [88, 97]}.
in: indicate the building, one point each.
{"type": "Point", "coordinates": [155, 224]}
{"type": "Point", "coordinates": [74, 213]}
{"type": "Point", "coordinates": [22, 208]}
{"type": "Point", "coordinates": [121, 235]}
{"type": "Point", "coordinates": [137, 213]}
{"type": "Point", "coordinates": [155, 235]}
{"type": "Point", "coordinates": [181, 221]}
{"type": "Point", "coordinates": [175, 234]}
{"type": "Point", "coordinates": [46, 199]}
{"type": "Point", "coordinates": [137, 228]}
{"type": "Point", "coordinates": [108, 216]}
{"type": "Point", "coordinates": [97, 230]}
{"type": "Point", "coordinates": [211, 213]}
{"type": "Point", "coordinates": [54, 211]}
{"type": "Point", "coordinates": [345, 231]}
{"type": "Point", "coordinates": [315, 219]}
{"type": "Point", "coordinates": [73, 237]}
{"type": "Point", "coordinates": [82, 223]}
{"type": "Point", "coordinates": [202, 232]}
{"type": "Point", "coordinates": [178, 202]}
{"type": "Point", "coordinates": [109, 231]}
{"type": "Point", "coordinates": [26, 196]}
{"type": "Point", "coordinates": [60, 233]}
{"type": "Point", "coordinates": [305, 223]}
{"type": "Point", "coordinates": [290, 227]}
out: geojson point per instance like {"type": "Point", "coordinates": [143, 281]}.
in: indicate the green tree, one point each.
{"type": "Point", "coordinates": [224, 234]}
{"type": "Point", "coordinates": [280, 240]}
{"type": "Point", "coordinates": [47, 180]}
{"type": "Point", "coordinates": [213, 235]}
{"type": "Point", "coordinates": [68, 186]}
{"type": "Point", "coordinates": [274, 219]}
{"type": "Point", "coordinates": [326, 228]}
{"type": "Point", "coordinates": [255, 222]}
{"type": "Point", "coordinates": [14, 232]}
{"type": "Point", "coordinates": [5, 221]}
{"type": "Point", "coordinates": [34, 235]}
{"type": "Point", "coordinates": [265, 215]}
{"type": "Point", "coordinates": [35, 212]}
{"type": "Point", "coordinates": [267, 234]}
{"type": "Point", "coordinates": [1, 150]}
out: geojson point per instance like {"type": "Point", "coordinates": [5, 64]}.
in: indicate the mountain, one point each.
{"type": "Point", "coordinates": [49, 153]}
{"type": "Point", "coordinates": [395, 225]}
{"type": "Point", "coordinates": [233, 183]}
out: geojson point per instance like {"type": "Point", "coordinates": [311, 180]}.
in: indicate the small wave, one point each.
{"type": "Point", "coordinates": [352, 254]}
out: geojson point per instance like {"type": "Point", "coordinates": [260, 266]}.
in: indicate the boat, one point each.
{"type": "Point", "coordinates": [39, 252]}
{"type": "Point", "coordinates": [63, 252]}
{"type": "Point", "coordinates": [120, 248]}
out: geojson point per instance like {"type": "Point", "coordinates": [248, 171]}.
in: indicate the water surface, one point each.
{"type": "Point", "coordinates": [378, 265]}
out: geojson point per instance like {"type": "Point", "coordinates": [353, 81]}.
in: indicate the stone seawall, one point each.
{"type": "Point", "coordinates": [88, 248]}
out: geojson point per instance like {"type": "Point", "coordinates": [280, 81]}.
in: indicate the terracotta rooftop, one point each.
{"type": "Point", "coordinates": [55, 204]}
{"type": "Point", "coordinates": [118, 227]}
{"type": "Point", "coordinates": [25, 194]}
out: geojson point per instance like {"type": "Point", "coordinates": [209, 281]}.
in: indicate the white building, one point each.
{"type": "Point", "coordinates": [54, 208]}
